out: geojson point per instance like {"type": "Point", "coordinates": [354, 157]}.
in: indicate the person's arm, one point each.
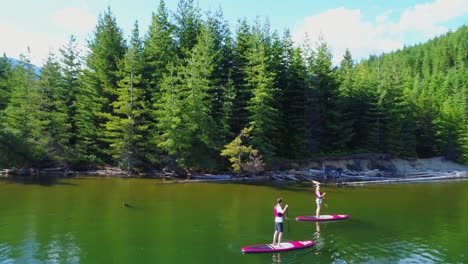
{"type": "Point", "coordinates": [323, 194]}
{"type": "Point", "coordinates": [284, 210]}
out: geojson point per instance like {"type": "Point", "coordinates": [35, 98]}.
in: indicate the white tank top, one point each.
{"type": "Point", "coordinates": [278, 219]}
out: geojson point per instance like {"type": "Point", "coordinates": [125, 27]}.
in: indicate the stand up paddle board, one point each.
{"type": "Point", "coordinates": [322, 217]}
{"type": "Point", "coordinates": [285, 246]}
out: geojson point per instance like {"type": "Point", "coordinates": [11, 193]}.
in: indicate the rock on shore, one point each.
{"type": "Point", "coordinates": [376, 168]}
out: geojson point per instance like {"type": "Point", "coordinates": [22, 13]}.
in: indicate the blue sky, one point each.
{"type": "Point", "coordinates": [365, 27]}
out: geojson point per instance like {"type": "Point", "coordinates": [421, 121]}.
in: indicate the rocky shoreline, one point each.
{"type": "Point", "coordinates": [352, 178]}
{"type": "Point", "coordinates": [346, 171]}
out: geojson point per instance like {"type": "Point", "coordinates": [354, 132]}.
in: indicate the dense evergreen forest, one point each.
{"type": "Point", "coordinates": [189, 92]}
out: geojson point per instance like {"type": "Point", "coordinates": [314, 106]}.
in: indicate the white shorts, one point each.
{"type": "Point", "coordinates": [318, 200]}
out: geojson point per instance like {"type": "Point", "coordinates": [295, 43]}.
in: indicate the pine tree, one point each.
{"type": "Point", "coordinates": [87, 106]}
{"type": "Point", "coordinates": [107, 50]}
{"type": "Point", "coordinates": [463, 102]}
{"type": "Point", "coordinates": [71, 65]}
{"type": "Point", "coordinates": [21, 116]}
{"type": "Point", "coordinates": [187, 103]}
{"type": "Point", "coordinates": [126, 124]}
{"type": "Point", "coordinates": [425, 129]}
{"type": "Point", "coordinates": [158, 53]}
{"type": "Point", "coordinates": [263, 114]}
{"type": "Point", "coordinates": [55, 133]}
{"type": "Point", "coordinates": [280, 54]}
{"type": "Point", "coordinates": [347, 101]}
{"type": "Point", "coordinates": [200, 96]}
{"type": "Point", "coordinates": [158, 50]}
{"type": "Point", "coordinates": [174, 135]}
{"type": "Point", "coordinates": [14, 151]}
{"type": "Point", "coordinates": [188, 24]}
{"type": "Point", "coordinates": [326, 124]}
{"type": "Point", "coordinates": [242, 93]}
{"type": "Point", "coordinates": [450, 130]}
{"type": "Point", "coordinates": [222, 55]}
{"type": "Point", "coordinates": [5, 76]}
{"type": "Point", "coordinates": [364, 100]}
{"type": "Point", "coordinates": [375, 120]}
{"type": "Point", "coordinates": [293, 103]}
{"type": "Point", "coordinates": [398, 130]}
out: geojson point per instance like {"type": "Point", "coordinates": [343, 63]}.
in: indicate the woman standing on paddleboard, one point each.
{"type": "Point", "coordinates": [279, 214]}
{"type": "Point", "coordinates": [318, 198]}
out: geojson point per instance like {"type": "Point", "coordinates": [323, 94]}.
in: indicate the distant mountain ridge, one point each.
{"type": "Point", "coordinates": [14, 62]}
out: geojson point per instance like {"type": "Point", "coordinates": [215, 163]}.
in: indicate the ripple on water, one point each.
{"type": "Point", "coordinates": [405, 250]}
{"type": "Point", "coordinates": [5, 253]}
{"type": "Point", "coordinates": [63, 249]}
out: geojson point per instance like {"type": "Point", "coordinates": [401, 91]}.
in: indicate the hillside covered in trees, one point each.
{"type": "Point", "coordinates": [190, 93]}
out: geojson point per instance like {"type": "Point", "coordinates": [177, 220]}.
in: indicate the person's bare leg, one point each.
{"type": "Point", "coordinates": [279, 238]}
{"type": "Point", "coordinates": [274, 237]}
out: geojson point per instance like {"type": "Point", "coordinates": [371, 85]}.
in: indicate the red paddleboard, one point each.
{"type": "Point", "coordinates": [284, 246]}
{"type": "Point", "coordinates": [322, 217]}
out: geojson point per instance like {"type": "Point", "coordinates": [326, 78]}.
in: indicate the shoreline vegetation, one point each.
{"type": "Point", "coordinates": [187, 95]}
{"type": "Point", "coordinates": [343, 171]}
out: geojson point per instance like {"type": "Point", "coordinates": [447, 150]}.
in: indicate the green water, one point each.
{"type": "Point", "coordinates": [83, 221]}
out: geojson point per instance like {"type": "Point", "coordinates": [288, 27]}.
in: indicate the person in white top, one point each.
{"type": "Point", "coordinates": [279, 214]}
{"type": "Point", "coordinates": [318, 198]}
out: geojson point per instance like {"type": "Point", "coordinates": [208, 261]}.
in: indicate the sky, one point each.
{"type": "Point", "coordinates": [365, 27]}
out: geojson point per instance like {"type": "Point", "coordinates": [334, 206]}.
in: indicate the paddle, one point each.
{"type": "Point", "coordinates": [287, 216]}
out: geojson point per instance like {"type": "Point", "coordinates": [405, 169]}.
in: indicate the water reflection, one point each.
{"type": "Point", "coordinates": [290, 257]}
{"type": "Point", "coordinates": [318, 239]}
{"type": "Point", "coordinates": [89, 224]}
{"type": "Point", "coordinates": [276, 258]}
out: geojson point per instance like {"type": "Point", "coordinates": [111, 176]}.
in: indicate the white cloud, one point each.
{"type": "Point", "coordinates": [424, 18]}
{"type": "Point", "coordinates": [346, 28]}
{"type": "Point", "coordinates": [423, 15]}
{"type": "Point", "coordinates": [40, 43]}
{"type": "Point", "coordinates": [74, 19]}
{"type": "Point", "coordinates": [54, 35]}
{"type": "Point", "coordinates": [382, 18]}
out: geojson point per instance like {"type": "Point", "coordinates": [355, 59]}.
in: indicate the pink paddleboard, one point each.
{"type": "Point", "coordinates": [322, 217]}
{"type": "Point", "coordinates": [285, 246]}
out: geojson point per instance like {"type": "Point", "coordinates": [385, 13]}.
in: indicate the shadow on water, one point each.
{"type": "Point", "coordinates": [39, 180]}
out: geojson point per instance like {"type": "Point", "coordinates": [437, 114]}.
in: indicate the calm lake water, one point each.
{"type": "Point", "coordinates": [83, 221]}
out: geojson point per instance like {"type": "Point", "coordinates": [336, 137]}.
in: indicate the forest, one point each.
{"type": "Point", "coordinates": [188, 93]}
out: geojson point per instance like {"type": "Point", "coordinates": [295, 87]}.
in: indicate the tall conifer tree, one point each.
{"type": "Point", "coordinates": [55, 133]}
{"type": "Point", "coordinates": [261, 106]}
{"type": "Point", "coordinates": [188, 24]}
{"type": "Point", "coordinates": [242, 93]}
{"type": "Point", "coordinates": [71, 65]}
{"type": "Point", "coordinates": [127, 125]}
{"type": "Point", "coordinates": [107, 50]}
{"type": "Point", "coordinates": [5, 76]}
{"type": "Point", "coordinates": [21, 116]}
